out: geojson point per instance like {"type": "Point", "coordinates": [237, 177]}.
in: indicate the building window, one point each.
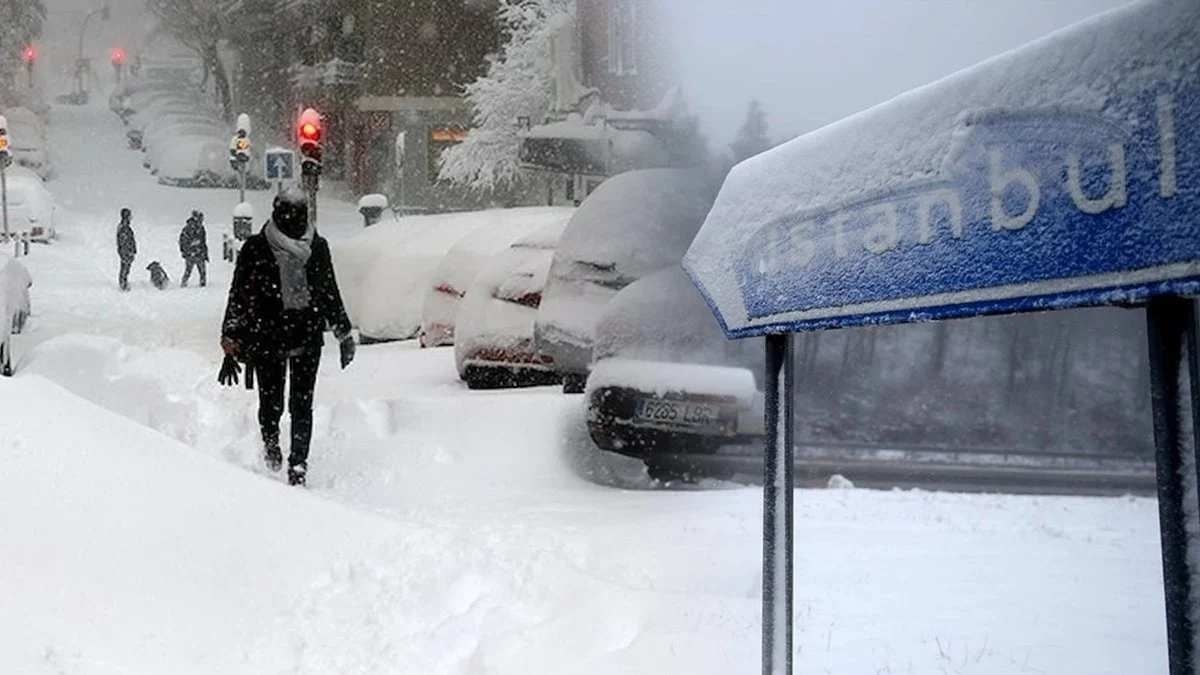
{"type": "Point", "coordinates": [441, 138]}
{"type": "Point", "coordinates": [622, 37]}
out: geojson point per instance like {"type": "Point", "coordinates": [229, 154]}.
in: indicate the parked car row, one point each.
{"type": "Point", "coordinates": [519, 292]}
{"type": "Point", "coordinates": [182, 135]}
{"type": "Point", "coordinates": [15, 307]}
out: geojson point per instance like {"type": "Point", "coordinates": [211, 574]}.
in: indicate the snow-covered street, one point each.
{"type": "Point", "coordinates": [456, 532]}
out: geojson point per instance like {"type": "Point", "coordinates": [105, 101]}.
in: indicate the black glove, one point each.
{"type": "Point", "coordinates": [230, 369]}
{"type": "Point", "coordinates": [349, 347]}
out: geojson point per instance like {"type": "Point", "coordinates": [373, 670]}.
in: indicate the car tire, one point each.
{"type": "Point", "coordinates": [574, 383]}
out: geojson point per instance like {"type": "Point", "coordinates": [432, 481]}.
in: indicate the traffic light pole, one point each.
{"type": "Point", "coordinates": [4, 197]}
{"type": "Point", "coordinates": [311, 185]}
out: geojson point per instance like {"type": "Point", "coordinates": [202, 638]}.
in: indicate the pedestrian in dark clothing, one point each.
{"type": "Point", "coordinates": [283, 298]}
{"type": "Point", "coordinates": [193, 246]}
{"type": "Point", "coordinates": [126, 247]}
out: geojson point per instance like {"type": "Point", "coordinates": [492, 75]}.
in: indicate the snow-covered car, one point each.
{"type": "Point", "coordinates": [29, 146]}
{"type": "Point", "coordinates": [192, 161]}
{"type": "Point", "coordinates": [665, 379]}
{"type": "Point", "coordinates": [634, 224]}
{"type": "Point", "coordinates": [495, 347]}
{"type": "Point", "coordinates": [31, 209]}
{"type": "Point", "coordinates": [15, 283]}
{"type": "Point", "coordinates": [385, 270]}
{"type": "Point", "coordinates": [464, 261]}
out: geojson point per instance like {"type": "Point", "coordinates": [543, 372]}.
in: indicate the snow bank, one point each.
{"type": "Point", "coordinates": [465, 260]}
{"type": "Point", "coordinates": [126, 552]}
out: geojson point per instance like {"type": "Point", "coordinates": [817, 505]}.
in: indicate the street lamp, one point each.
{"type": "Point", "coordinates": [81, 64]}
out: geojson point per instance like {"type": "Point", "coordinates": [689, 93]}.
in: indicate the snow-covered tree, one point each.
{"type": "Point", "coordinates": [20, 23]}
{"type": "Point", "coordinates": [199, 25]}
{"type": "Point", "coordinates": [752, 138]}
{"type": "Point", "coordinates": [519, 83]}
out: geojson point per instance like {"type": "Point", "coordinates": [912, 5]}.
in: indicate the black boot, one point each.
{"type": "Point", "coordinates": [272, 455]}
{"type": "Point", "coordinates": [297, 474]}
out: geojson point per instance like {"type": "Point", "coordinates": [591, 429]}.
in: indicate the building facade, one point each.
{"type": "Point", "coordinates": [618, 107]}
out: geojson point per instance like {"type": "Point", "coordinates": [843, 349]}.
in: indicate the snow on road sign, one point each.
{"type": "Point", "coordinates": [280, 164]}
{"type": "Point", "coordinates": [1052, 177]}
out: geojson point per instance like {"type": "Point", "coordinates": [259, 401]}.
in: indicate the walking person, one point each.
{"type": "Point", "coordinates": [126, 247]}
{"type": "Point", "coordinates": [193, 246]}
{"type": "Point", "coordinates": [283, 298]}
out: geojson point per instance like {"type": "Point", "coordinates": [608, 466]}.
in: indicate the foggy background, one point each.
{"type": "Point", "coordinates": [812, 63]}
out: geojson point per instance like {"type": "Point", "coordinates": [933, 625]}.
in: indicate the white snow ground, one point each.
{"type": "Point", "coordinates": [448, 531]}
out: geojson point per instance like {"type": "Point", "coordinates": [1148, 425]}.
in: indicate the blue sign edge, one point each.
{"type": "Point", "coordinates": [1131, 296]}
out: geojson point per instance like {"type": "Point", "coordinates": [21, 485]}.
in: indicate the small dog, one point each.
{"type": "Point", "coordinates": [158, 276]}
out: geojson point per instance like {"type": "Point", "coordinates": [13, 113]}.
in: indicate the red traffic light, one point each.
{"type": "Point", "coordinates": [29, 54]}
{"type": "Point", "coordinates": [118, 56]}
{"type": "Point", "coordinates": [309, 126]}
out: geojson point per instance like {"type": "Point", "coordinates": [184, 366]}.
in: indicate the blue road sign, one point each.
{"type": "Point", "coordinates": [1042, 208]}
{"type": "Point", "coordinates": [280, 164]}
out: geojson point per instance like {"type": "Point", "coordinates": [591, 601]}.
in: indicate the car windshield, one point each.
{"type": "Point", "coordinates": [595, 337]}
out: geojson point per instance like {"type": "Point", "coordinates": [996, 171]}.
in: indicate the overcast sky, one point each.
{"type": "Point", "coordinates": [812, 63]}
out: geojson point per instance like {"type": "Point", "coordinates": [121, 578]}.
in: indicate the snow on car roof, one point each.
{"type": "Point", "coordinates": [463, 260]}
{"type": "Point", "coordinates": [1082, 68]}
{"type": "Point", "coordinates": [640, 220]}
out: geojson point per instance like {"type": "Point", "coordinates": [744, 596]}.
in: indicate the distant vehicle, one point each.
{"type": "Point", "coordinates": [494, 347]}
{"type": "Point", "coordinates": [15, 307]}
{"type": "Point", "coordinates": [634, 224]}
{"type": "Point", "coordinates": [31, 209]}
{"type": "Point", "coordinates": [665, 379]}
{"type": "Point", "coordinates": [464, 261]}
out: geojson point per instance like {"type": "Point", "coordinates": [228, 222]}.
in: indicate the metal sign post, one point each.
{"type": "Point", "coordinates": [1170, 323]}
{"type": "Point", "coordinates": [778, 495]}
{"type": "Point", "coordinates": [1025, 198]}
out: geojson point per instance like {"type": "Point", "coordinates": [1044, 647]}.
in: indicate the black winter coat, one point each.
{"type": "Point", "coordinates": [255, 318]}
{"type": "Point", "coordinates": [126, 243]}
{"type": "Point", "coordinates": [193, 243]}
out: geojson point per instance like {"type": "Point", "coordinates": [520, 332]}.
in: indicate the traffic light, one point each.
{"type": "Point", "coordinates": [239, 147]}
{"type": "Point", "coordinates": [5, 150]}
{"type": "Point", "coordinates": [118, 56]}
{"type": "Point", "coordinates": [309, 132]}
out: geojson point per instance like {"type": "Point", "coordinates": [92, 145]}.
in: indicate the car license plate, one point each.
{"type": "Point", "coordinates": [659, 412]}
